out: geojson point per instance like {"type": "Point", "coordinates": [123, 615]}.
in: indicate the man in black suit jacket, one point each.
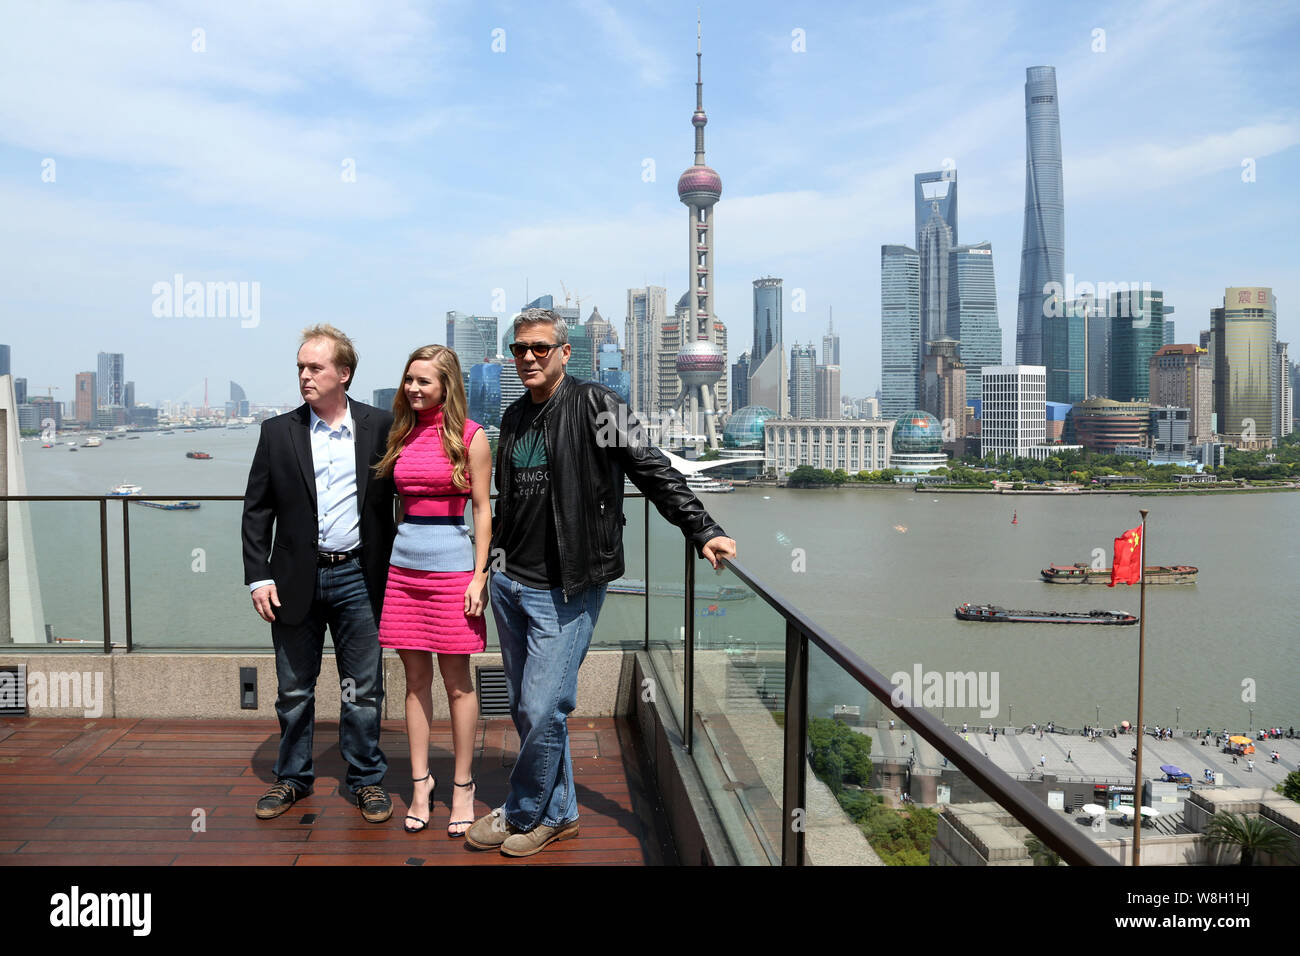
{"type": "Point", "coordinates": [328, 564]}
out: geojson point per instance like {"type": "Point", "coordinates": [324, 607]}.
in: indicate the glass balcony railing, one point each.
{"type": "Point", "coordinates": [771, 707]}
{"type": "Point", "coordinates": [775, 728]}
{"type": "Point", "coordinates": [142, 573]}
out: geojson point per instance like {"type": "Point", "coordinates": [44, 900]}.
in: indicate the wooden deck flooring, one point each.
{"type": "Point", "coordinates": [181, 792]}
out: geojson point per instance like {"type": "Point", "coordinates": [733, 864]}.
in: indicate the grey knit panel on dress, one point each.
{"type": "Point", "coordinates": [433, 547]}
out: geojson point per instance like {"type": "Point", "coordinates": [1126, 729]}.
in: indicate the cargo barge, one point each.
{"type": "Point", "coordinates": [992, 613]}
{"type": "Point", "coordinates": [1085, 574]}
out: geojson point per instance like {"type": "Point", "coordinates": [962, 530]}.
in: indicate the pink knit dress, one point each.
{"type": "Point", "coordinates": [433, 556]}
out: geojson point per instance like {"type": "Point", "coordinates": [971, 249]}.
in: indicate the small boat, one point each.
{"type": "Point", "coordinates": [1085, 574]}
{"type": "Point", "coordinates": [132, 437]}
{"type": "Point", "coordinates": [166, 431]}
{"type": "Point", "coordinates": [1014, 519]}
{"type": "Point", "coordinates": [47, 445]}
{"type": "Point", "coordinates": [93, 443]}
{"type": "Point", "coordinates": [71, 447]}
{"type": "Point", "coordinates": [125, 490]}
{"type": "Point", "coordinates": [700, 483]}
{"type": "Point", "coordinates": [201, 455]}
{"type": "Point", "coordinates": [171, 505]}
{"type": "Point", "coordinates": [993, 614]}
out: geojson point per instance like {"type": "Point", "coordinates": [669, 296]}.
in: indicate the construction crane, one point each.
{"type": "Point", "coordinates": [53, 389]}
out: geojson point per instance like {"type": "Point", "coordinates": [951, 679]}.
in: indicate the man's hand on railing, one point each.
{"type": "Point", "coordinates": [263, 598]}
{"type": "Point", "coordinates": [719, 547]}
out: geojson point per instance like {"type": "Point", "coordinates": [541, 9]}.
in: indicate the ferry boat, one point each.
{"type": "Point", "coordinates": [992, 613]}
{"type": "Point", "coordinates": [1084, 574]}
{"type": "Point", "coordinates": [93, 443]}
{"type": "Point", "coordinates": [702, 483]}
{"type": "Point", "coordinates": [171, 505]}
{"type": "Point", "coordinates": [125, 490]}
{"type": "Point", "coordinates": [723, 592]}
{"type": "Point", "coordinates": [201, 455]}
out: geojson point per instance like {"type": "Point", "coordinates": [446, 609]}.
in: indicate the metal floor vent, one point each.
{"type": "Point", "coordinates": [493, 698]}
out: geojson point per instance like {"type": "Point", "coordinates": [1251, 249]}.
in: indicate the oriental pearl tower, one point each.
{"type": "Point", "coordinates": [700, 362]}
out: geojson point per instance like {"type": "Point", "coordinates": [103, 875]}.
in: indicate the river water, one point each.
{"type": "Point", "coordinates": [881, 569]}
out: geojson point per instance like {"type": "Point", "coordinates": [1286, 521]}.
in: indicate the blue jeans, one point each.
{"type": "Point", "coordinates": [543, 641]}
{"type": "Point", "coordinates": [341, 602]}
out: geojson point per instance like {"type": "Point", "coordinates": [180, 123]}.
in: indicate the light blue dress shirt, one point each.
{"type": "Point", "coordinates": [334, 459]}
{"type": "Point", "coordinates": [334, 456]}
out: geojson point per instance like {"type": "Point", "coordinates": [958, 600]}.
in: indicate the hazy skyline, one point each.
{"type": "Point", "coordinates": [478, 170]}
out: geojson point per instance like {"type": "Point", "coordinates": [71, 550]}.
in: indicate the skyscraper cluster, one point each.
{"type": "Point", "coordinates": [938, 311]}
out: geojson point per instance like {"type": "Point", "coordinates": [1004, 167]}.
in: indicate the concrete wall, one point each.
{"type": "Point", "coordinates": [177, 686]}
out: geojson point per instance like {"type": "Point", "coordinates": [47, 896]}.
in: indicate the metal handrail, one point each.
{"type": "Point", "coordinates": [1073, 847]}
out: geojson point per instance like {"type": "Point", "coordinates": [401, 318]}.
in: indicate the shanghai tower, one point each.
{"type": "Point", "coordinates": [1042, 254]}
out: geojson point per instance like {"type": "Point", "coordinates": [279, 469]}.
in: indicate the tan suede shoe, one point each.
{"type": "Point", "coordinates": [489, 832]}
{"type": "Point", "coordinates": [538, 839]}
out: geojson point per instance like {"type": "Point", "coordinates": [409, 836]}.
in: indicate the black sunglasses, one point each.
{"type": "Point", "coordinates": [540, 349]}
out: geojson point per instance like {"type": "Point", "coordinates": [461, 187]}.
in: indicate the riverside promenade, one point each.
{"type": "Point", "coordinates": [1104, 760]}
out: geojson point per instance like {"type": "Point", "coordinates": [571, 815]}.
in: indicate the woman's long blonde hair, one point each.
{"type": "Point", "coordinates": [447, 368]}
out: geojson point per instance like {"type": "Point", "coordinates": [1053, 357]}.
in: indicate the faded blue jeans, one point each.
{"type": "Point", "coordinates": [342, 603]}
{"type": "Point", "coordinates": [543, 641]}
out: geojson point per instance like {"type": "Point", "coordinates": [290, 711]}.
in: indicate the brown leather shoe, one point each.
{"type": "Point", "coordinates": [279, 798]}
{"type": "Point", "coordinates": [490, 831]}
{"type": "Point", "coordinates": [375, 804]}
{"type": "Point", "coordinates": [538, 838]}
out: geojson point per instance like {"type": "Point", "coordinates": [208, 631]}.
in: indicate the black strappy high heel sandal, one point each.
{"type": "Point", "coordinates": [422, 823]}
{"type": "Point", "coordinates": [466, 823]}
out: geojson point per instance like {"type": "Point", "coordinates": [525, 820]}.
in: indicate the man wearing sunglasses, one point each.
{"type": "Point", "coordinates": [557, 541]}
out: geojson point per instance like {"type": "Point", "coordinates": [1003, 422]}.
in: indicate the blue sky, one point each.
{"type": "Point", "coordinates": [479, 170]}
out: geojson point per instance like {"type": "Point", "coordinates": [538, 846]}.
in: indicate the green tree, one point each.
{"type": "Point", "coordinates": [1251, 835]}
{"type": "Point", "coordinates": [1041, 853]}
{"type": "Point", "coordinates": [1290, 787]}
{"type": "Point", "coordinates": [839, 755]}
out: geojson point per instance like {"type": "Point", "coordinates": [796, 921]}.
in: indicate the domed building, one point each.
{"type": "Point", "coordinates": [745, 428]}
{"type": "Point", "coordinates": [917, 443]}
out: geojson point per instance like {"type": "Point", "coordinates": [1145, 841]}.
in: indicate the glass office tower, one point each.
{"type": "Point", "coordinates": [1137, 332]}
{"type": "Point", "coordinates": [485, 394]}
{"type": "Point", "coordinates": [900, 329]}
{"type": "Point", "coordinates": [767, 318]}
{"type": "Point", "coordinates": [1243, 336]}
{"type": "Point", "coordinates": [1065, 351]}
{"type": "Point", "coordinates": [1042, 254]}
{"type": "Point", "coordinates": [973, 309]}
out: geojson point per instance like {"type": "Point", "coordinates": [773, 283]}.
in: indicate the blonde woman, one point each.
{"type": "Point", "coordinates": [437, 578]}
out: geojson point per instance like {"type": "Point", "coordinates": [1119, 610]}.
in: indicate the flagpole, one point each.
{"type": "Point", "coordinates": [1141, 726]}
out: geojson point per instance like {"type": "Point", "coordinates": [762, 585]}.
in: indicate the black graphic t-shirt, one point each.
{"type": "Point", "coordinates": [532, 554]}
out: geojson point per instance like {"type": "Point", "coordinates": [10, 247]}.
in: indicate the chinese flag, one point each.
{"type": "Point", "coordinates": [1126, 568]}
